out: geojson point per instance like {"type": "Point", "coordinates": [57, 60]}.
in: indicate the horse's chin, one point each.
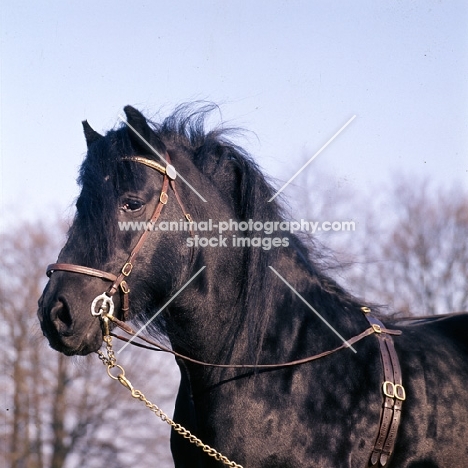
{"type": "Point", "coordinates": [74, 346]}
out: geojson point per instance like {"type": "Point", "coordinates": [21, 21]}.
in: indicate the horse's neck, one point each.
{"type": "Point", "coordinates": [313, 314]}
{"type": "Point", "coordinates": [205, 321]}
{"type": "Point", "coordinates": [306, 314]}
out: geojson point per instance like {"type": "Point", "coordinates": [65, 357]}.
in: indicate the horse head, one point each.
{"type": "Point", "coordinates": [125, 178]}
{"type": "Point", "coordinates": [141, 186]}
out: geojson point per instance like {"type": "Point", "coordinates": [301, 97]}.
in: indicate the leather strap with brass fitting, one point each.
{"type": "Point", "coordinates": [393, 392]}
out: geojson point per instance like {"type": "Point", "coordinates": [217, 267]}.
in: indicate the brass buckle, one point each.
{"type": "Point", "coordinates": [376, 328]}
{"type": "Point", "coordinates": [392, 390]}
{"type": "Point", "coordinates": [127, 269]}
{"type": "Point", "coordinates": [400, 392]}
{"type": "Point", "coordinates": [163, 198]}
{"type": "Point", "coordinates": [124, 287]}
{"type": "Point", "coordinates": [388, 389]}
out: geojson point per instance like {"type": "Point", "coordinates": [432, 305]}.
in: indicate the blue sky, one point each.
{"type": "Point", "coordinates": [291, 72]}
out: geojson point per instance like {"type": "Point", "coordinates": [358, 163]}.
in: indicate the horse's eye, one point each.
{"type": "Point", "coordinates": [132, 206]}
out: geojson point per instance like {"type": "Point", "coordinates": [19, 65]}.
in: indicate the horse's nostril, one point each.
{"type": "Point", "coordinates": [61, 316]}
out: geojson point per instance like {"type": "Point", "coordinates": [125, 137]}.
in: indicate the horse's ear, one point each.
{"type": "Point", "coordinates": [90, 134]}
{"type": "Point", "coordinates": [140, 133]}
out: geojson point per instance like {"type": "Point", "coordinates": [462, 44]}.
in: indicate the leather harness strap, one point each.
{"type": "Point", "coordinates": [155, 346]}
{"type": "Point", "coordinates": [394, 395]}
{"type": "Point", "coordinates": [399, 397]}
{"type": "Point", "coordinates": [179, 201]}
{"type": "Point", "coordinates": [79, 269]}
{"type": "Point", "coordinates": [128, 266]}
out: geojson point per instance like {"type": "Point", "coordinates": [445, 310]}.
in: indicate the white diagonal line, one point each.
{"type": "Point", "coordinates": [313, 310]}
{"type": "Point", "coordinates": [159, 155]}
{"type": "Point", "coordinates": [312, 158]}
{"type": "Point", "coordinates": [162, 308]}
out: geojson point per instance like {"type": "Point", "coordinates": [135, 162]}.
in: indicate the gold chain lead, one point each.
{"type": "Point", "coordinates": [111, 362]}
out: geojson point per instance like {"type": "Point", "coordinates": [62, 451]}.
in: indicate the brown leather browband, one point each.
{"type": "Point", "coordinates": [392, 388]}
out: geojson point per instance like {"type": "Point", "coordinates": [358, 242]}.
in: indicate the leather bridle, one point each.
{"type": "Point", "coordinates": [103, 304]}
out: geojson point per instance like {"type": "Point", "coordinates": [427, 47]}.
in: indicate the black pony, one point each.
{"type": "Point", "coordinates": [260, 299]}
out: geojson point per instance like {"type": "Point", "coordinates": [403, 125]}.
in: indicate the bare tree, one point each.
{"type": "Point", "coordinates": [419, 262]}
{"type": "Point", "coordinates": [409, 248]}
{"type": "Point", "coordinates": [65, 412]}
